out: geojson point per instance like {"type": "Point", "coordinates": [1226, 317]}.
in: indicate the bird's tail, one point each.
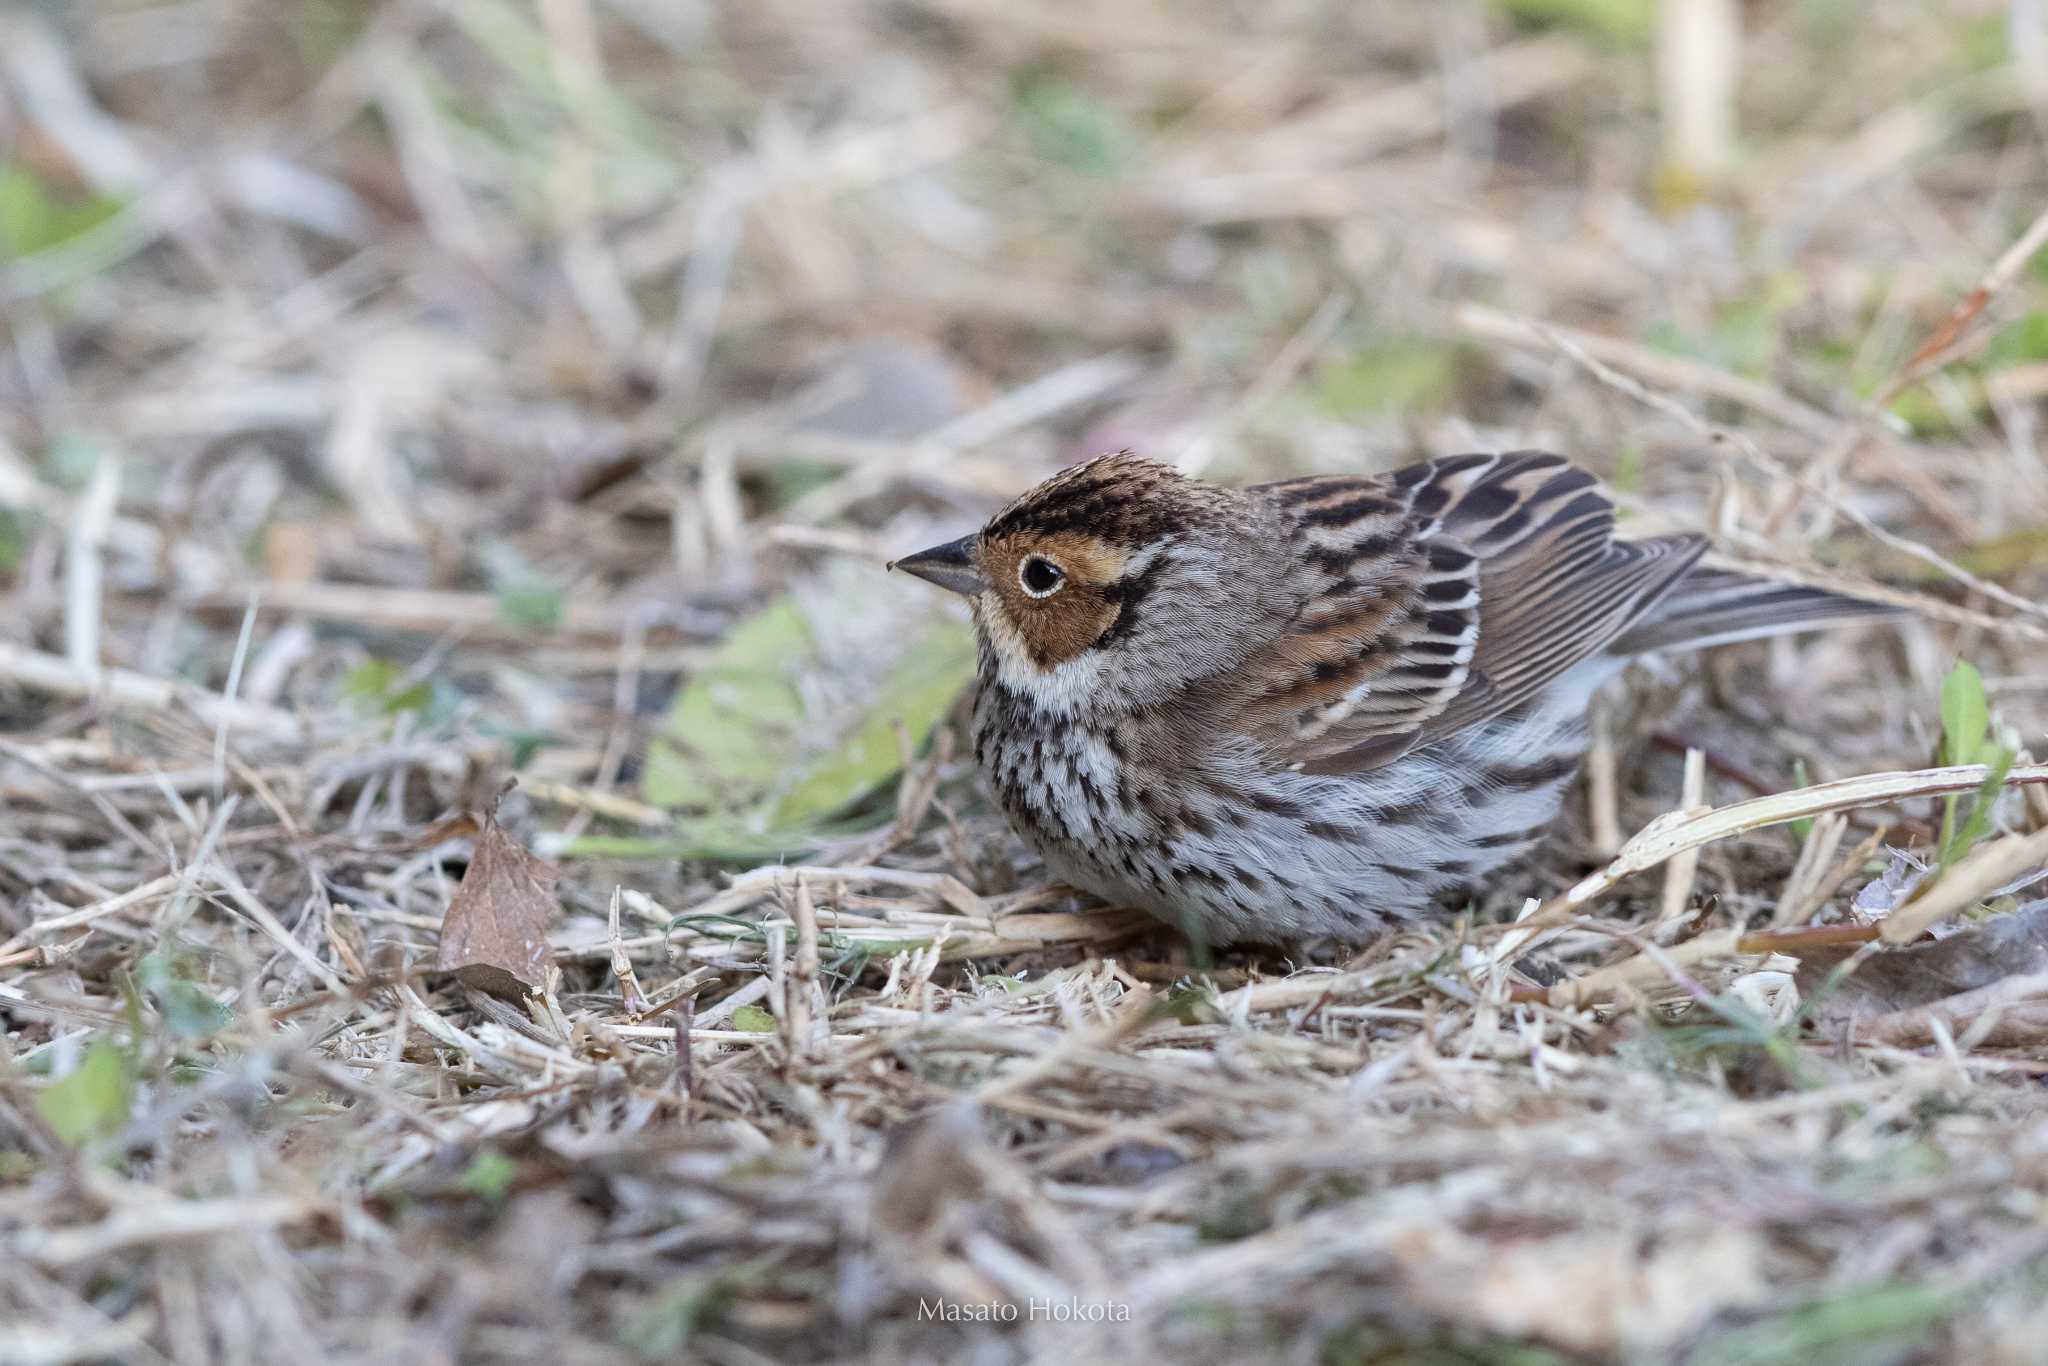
{"type": "Point", "coordinates": [1721, 606]}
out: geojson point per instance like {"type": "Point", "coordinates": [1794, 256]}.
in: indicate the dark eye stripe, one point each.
{"type": "Point", "coordinates": [1127, 595]}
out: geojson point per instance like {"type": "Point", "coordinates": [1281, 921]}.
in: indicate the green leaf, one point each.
{"type": "Point", "coordinates": [730, 729]}
{"type": "Point", "coordinates": [2024, 339]}
{"type": "Point", "coordinates": [71, 458]}
{"type": "Point", "coordinates": [370, 681]}
{"type": "Point", "coordinates": [1745, 336]}
{"type": "Point", "coordinates": [489, 1175]}
{"type": "Point", "coordinates": [1956, 843]}
{"type": "Point", "coordinates": [1801, 777]}
{"type": "Point", "coordinates": [373, 686]}
{"type": "Point", "coordinates": [1071, 127]}
{"type": "Point", "coordinates": [1628, 471]}
{"type": "Point", "coordinates": [1965, 715]}
{"type": "Point", "coordinates": [13, 539]}
{"type": "Point", "coordinates": [35, 217]}
{"type": "Point", "coordinates": [93, 1100]}
{"type": "Point", "coordinates": [1735, 1032]}
{"type": "Point", "coordinates": [1866, 1316]}
{"type": "Point", "coordinates": [1393, 375]}
{"type": "Point", "coordinates": [1965, 739]}
{"type": "Point", "coordinates": [663, 1331]}
{"type": "Point", "coordinates": [188, 1011]}
{"type": "Point", "coordinates": [916, 697]}
{"type": "Point", "coordinates": [512, 39]}
{"type": "Point", "coordinates": [753, 1020]}
{"type": "Point", "coordinates": [1622, 22]}
{"type": "Point", "coordinates": [530, 603]}
{"type": "Point", "coordinates": [734, 740]}
{"type": "Point", "coordinates": [1923, 412]}
{"type": "Point", "coordinates": [1984, 44]}
{"type": "Point", "coordinates": [525, 742]}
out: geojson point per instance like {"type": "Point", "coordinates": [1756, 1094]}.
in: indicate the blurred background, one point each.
{"type": "Point", "coordinates": [493, 341]}
{"type": "Point", "coordinates": [398, 396]}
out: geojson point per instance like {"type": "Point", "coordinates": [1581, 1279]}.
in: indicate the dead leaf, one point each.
{"type": "Point", "coordinates": [1976, 876]}
{"type": "Point", "coordinates": [933, 1167]}
{"type": "Point", "coordinates": [1895, 993]}
{"type": "Point", "coordinates": [2008, 1014]}
{"type": "Point", "coordinates": [291, 552]}
{"type": "Point", "coordinates": [495, 934]}
{"type": "Point", "coordinates": [440, 832]}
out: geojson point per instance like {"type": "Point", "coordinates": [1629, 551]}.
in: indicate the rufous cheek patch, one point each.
{"type": "Point", "coordinates": [1056, 628]}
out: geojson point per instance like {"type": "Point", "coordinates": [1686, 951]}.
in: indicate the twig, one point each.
{"type": "Point", "coordinates": [686, 1023]}
{"type": "Point", "coordinates": [1654, 367]}
{"type": "Point", "coordinates": [84, 543]}
{"type": "Point", "coordinates": [2012, 1013]}
{"type": "Point", "coordinates": [1942, 345]}
{"type": "Point", "coordinates": [227, 697]}
{"type": "Point", "coordinates": [802, 982]}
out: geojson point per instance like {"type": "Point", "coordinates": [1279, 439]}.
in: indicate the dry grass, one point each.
{"type": "Point", "coordinates": [395, 397]}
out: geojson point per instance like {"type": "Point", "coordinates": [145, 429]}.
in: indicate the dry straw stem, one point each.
{"type": "Point", "coordinates": [1650, 967]}
{"type": "Point", "coordinates": [479, 616]}
{"type": "Point", "coordinates": [144, 1217]}
{"type": "Point", "coordinates": [127, 689]}
{"type": "Point", "coordinates": [1317, 164]}
{"type": "Point", "coordinates": [1684, 867]}
{"type": "Point", "coordinates": [1679, 373]}
{"type": "Point", "coordinates": [800, 988]}
{"type": "Point", "coordinates": [1699, 53]}
{"type": "Point", "coordinates": [1677, 832]}
{"type": "Point", "coordinates": [1818, 874]}
{"type": "Point", "coordinates": [139, 895]}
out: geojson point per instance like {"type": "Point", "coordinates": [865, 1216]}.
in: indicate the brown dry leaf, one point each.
{"type": "Point", "coordinates": [440, 832]}
{"type": "Point", "coordinates": [291, 552]}
{"type": "Point", "coordinates": [1952, 978]}
{"type": "Point", "coordinates": [932, 1167]}
{"type": "Point", "coordinates": [495, 934]}
{"type": "Point", "coordinates": [2008, 1014]}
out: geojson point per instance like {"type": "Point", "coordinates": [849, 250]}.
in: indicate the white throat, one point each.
{"type": "Point", "coordinates": [1063, 689]}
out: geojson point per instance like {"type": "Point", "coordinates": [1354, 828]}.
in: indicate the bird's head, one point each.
{"type": "Point", "coordinates": [1113, 583]}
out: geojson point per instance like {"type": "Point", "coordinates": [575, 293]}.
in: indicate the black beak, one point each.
{"type": "Point", "coordinates": [950, 566]}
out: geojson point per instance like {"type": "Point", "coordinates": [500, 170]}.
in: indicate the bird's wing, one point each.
{"type": "Point", "coordinates": [1439, 596]}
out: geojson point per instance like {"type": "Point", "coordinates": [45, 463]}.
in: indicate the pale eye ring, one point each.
{"type": "Point", "coordinates": [1040, 577]}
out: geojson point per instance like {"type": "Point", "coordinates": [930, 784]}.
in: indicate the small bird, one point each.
{"type": "Point", "coordinates": [1319, 707]}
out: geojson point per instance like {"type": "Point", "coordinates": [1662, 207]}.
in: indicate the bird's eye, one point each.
{"type": "Point", "coordinates": [1041, 577]}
